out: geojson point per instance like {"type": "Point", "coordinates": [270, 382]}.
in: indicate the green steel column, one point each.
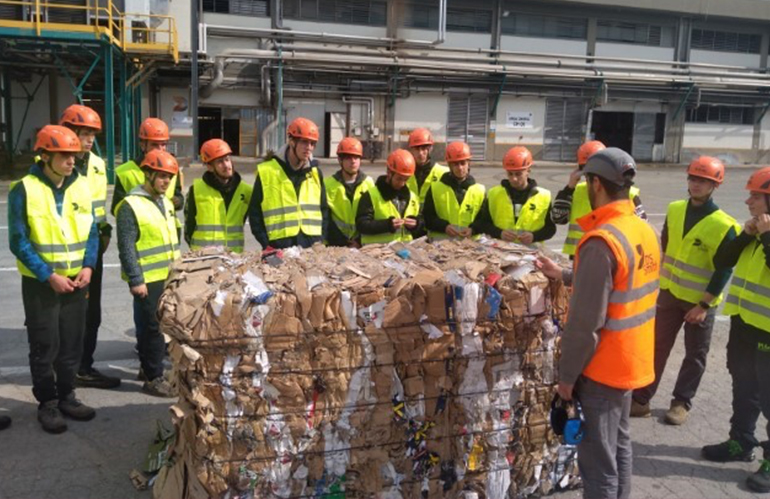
{"type": "Point", "coordinates": [123, 108]}
{"type": "Point", "coordinates": [137, 119]}
{"type": "Point", "coordinates": [7, 104]}
{"type": "Point", "coordinates": [109, 111]}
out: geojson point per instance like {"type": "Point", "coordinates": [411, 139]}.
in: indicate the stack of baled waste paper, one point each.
{"type": "Point", "coordinates": [399, 371]}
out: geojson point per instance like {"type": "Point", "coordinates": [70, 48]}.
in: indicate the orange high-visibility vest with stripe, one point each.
{"type": "Point", "coordinates": [624, 355]}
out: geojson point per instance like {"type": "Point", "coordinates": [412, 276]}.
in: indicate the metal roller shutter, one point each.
{"type": "Point", "coordinates": [467, 121]}
{"type": "Point", "coordinates": [644, 136]}
{"type": "Point", "coordinates": [564, 128]}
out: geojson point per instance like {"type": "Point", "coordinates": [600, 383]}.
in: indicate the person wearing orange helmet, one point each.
{"type": "Point", "coordinates": [153, 135]}
{"type": "Point", "coordinates": [748, 346]}
{"type": "Point", "coordinates": [53, 234]}
{"type": "Point", "coordinates": [572, 202]}
{"type": "Point", "coordinates": [427, 171]}
{"type": "Point", "coordinates": [218, 203]}
{"type": "Point", "coordinates": [86, 123]}
{"type": "Point", "coordinates": [691, 285]}
{"type": "Point", "coordinates": [390, 211]}
{"type": "Point", "coordinates": [344, 190]}
{"type": "Point", "coordinates": [148, 244]}
{"type": "Point", "coordinates": [453, 202]}
{"type": "Point", "coordinates": [518, 210]}
{"type": "Point", "coordinates": [288, 204]}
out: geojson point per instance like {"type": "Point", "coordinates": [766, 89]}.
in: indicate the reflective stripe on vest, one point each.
{"type": "Point", "coordinates": [580, 207]}
{"type": "Point", "coordinates": [131, 175]}
{"type": "Point", "coordinates": [750, 288]}
{"type": "Point", "coordinates": [384, 210]}
{"type": "Point", "coordinates": [158, 245]}
{"type": "Point", "coordinates": [624, 355]}
{"type": "Point", "coordinates": [459, 215]}
{"type": "Point", "coordinates": [59, 240]}
{"type": "Point", "coordinates": [689, 261]}
{"type": "Point", "coordinates": [532, 214]}
{"type": "Point", "coordinates": [284, 214]}
{"type": "Point", "coordinates": [97, 181]}
{"type": "Point", "coordinates": [342, 209]}
{"type": "Point", "coordinates": [215, 225]}
{"type": "Point", "coordinates": [436, 172]}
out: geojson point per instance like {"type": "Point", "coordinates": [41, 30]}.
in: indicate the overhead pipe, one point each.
{"type": "Point", "coordinates": [369, 101]}
{"type": "Point", "coordinates": [441, 23]}
{"type": "Point", "coordinates": [216, 81]}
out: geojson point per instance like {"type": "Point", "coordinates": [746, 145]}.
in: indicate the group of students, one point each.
{"type": "Point", "coordinates": [59, 232]}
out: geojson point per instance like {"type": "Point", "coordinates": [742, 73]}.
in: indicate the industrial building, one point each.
{"type": "Point", "coordinates": [666, 80]}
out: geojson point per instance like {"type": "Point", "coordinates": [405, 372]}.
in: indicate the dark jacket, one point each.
{"type": "Point", "coordinates": [432, 221]}
{"type": "Point", "coordinates": [485, 224]}
{"type": "Point", "coordinates": [335, 235]}
{"type": "Point", "coordinates": [190, 209]}
{"type": "Point", "coordinates": [729, 253]}
{"type": "Point", "coordinates": [365, 222]}
{"type": "Point", "coordinates": [257, 221]}
{"type": "Point", "coordinates": [562, 206]}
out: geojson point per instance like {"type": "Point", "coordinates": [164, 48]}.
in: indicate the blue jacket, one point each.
{"type": "Point", "coordinates": [18, 226]}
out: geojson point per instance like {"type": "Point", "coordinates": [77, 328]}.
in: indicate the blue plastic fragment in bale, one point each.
{"type": "Point", "coordinates": [259, 300]}
{"type": "Point", "coordinates": [493, 299]}
{"type": "Point", "coordinates": [404, 253]}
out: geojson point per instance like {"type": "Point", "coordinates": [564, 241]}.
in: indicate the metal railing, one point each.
{"type": "Point", "coordinates": [131, 32]}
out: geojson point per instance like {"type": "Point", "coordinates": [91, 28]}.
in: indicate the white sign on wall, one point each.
{"type": "Point", "coordinates": [519, 119]}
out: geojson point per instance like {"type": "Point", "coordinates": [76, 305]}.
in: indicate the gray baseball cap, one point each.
{"type": "Point", "coordinates": [612, 164]}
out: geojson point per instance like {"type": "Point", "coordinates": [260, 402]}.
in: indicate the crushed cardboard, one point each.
{"type": "Point", "coordinates": [419, 370]}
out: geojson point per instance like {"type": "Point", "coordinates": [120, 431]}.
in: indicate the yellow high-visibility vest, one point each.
{"type": "Point", "coordinates": [343, 210]}
{"type": "Point", "coordinates": [60, 240]}
{"type": "Point", "coordinates": [383, 210]}
{"type": "Point", "coordinates": [215, 225]}
{"type": "Point", "coordinates": [436, 172]}
{"type": "Point", "coordinates": [447, 207]}
{"type": "Point", "coordinates": [285, 214]}
{"type": "Point", "coordinates": [158, 245]}
{"type": "Point", "coordinates": [131, 175]}
{"type": "Point", "coordinates": [750, 288]}
{"type": "Point", "coordinates": [688, 263]}
{"type": "Point", "coordinates": [531, 216]}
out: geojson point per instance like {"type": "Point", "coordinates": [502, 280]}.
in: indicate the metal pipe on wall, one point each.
{"type": "Point", "coordinates": [194, 5]}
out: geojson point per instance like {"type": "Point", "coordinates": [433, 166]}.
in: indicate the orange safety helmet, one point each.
{"type": "Point", "coordinates": [587, 150]}
{"type": "Point", "coordinates": [760, 181]}
{"type": "Point", "coordinates": [81, 116]}
{"type": "Point", "coordinates": [160, 161]}
{"type": "Point", "coordinates": [708, 168]}
{"type": "Point", "coordinates": [402, 162]}
{"type": "Point", "coordinates": [517, 158]}
{"type": "Point", "coordinates": [350, 146]}
{"type": "Point", "coordinates": [303, 128]}
{"type": "Point", "coordinates": [214, 149]}
{"type": "Point", "coordinates": [420, 137]}
{"type": "Point", "coordinates": [457, 151]}
{"type": "Point", "coordinates": [57, 138]}
{"type": "Point", "coordinates": [153, 129]}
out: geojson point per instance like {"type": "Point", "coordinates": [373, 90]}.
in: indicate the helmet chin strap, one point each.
{"type": "Point", "coordinates": [153, 176]}
{"type": "Point", "coordinates": [50, 165]}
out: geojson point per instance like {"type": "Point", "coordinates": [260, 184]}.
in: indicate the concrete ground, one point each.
{"type": "Point", "coordinates": [94, 459]}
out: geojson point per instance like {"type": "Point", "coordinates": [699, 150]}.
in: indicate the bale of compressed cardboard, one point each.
{"type": "Point", "coordinates": [420, 370]}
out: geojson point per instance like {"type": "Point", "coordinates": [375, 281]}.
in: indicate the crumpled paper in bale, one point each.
{"type": "Point", "coordinates": [394, 371]}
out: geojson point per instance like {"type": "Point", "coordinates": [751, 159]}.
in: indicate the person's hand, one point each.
{"type": "Point", "coordinates": [466, 232]}
{"type": "Point", "coordinates": [574, 178]}
{"type": "Point", "coordinates": [509, 235]}
{"type": "Point", "coordinates": [83, 278]}
{"type": "Point", "coordinates": [397, 223]}
{"type": "Point", "coordinates": [695, 315]}
{"type": "Point", "coordinates": [526, 237]}
{"type": "Point", "coordinates": [353, 243]}
{"type": "Point", "coordinates": [750, 227]}
{"type": "Point", "coordinates": [451, 231]}
{"type": "Point", "coordinates": [139, 291]}
{"type": "Point", "coordinates": [104, 243]}
{"type": "Point", "coordinates": [548, 267]}
{"type": "Point", "coordinates": [60, 284]}
{"type": "Point", "coordinates": [410, 223]}
{"type": "Point", "coordinates": [763, 223]}
{"type": "Point", "coordinates": [565, 391]}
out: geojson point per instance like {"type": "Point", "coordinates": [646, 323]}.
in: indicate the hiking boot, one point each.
{"type": "Point", "coordinates": [96, 379]}
{"type": "Point", "coordinates": [5, 422]}
{"type": "Point", "coordinates": [159, 387]}
{"type": "Point", "coordinates": [760, 481]}
{"type": "Point", "coordinates": [677, 414]}
{"type": "Point", "coordinates": [50, 418]}
{"type": "Point", "coordinates": [730, 450]}
{"type": "Point", "coordinates": [640, 410]}
{"type": "Point", "coordinates": [75, 409]}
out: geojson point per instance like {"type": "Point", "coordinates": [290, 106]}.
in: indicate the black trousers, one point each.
{"type": "Point", "coordinates": [748, 360]}
{"type": "Point", "coordinates": [669, 318]}
{"type": "Point", "coordinates": [94, 314]}
{"type": "Point", "coordinates": [55, 327]}
{"type": "Point", "coordinates": [152, 346]}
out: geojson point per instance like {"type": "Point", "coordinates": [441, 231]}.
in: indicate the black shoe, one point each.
{"type": "Point", "coordinates": [50, 418]}
{"type": "Point", "coordinates": [95, 379]}
{"type": "Point", "coordinates": [730, 450]}
{"type": "Point", "coordinates": [760, 481]}
{"type": "Point", "coordinates": [75, 409]}
{"type": "Point", "coordinates": [5, 422]}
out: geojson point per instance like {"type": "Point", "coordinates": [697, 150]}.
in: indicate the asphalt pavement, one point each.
{"type": "Point", "coordinates": [93, 459]}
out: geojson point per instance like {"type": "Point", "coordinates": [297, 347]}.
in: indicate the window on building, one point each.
{"type": "Point", "coordinates": [727, 115]}
{"type": "Point", "coordinates": [725, 41]}
{"type": "Point", "coordinates": [545, 26]}
{"type": "Point", "coordinates": [364, 12]}
{"type": "Point", "coordinates": [257, 8]}
{"type": "Point", "coordinates": [422, 15]}
{"type": "Point", "coordinates": [637, 33]}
